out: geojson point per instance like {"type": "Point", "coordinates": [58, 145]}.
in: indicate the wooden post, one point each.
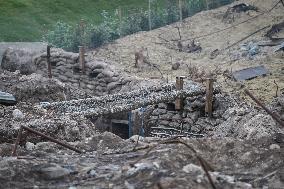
{"type": "Point", "coordinates": [48, 61]}
{"type": "Point", "coordinates": [149, 15]}
{"type": "Point", "coordinates": [82, 32]}
{"type": "Point", "coordinates": [179, 86]}
{"type": "Point", "coordinates": [209, 97]}
{"type": "Point", "coordinates": [82, 58]}
{"type": "Point", "coordinates": [180, 9]}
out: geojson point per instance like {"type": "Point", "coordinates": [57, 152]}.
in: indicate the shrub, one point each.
{"type": "Point", "coordinates": [61, 36]}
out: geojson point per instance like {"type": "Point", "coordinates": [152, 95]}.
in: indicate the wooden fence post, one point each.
{"type": "Point", "coordinates": [48, 61]}
{"type": "Point", "coordinates": [209, 97]}
{"type": "Point", "coordinates": [179, 86]}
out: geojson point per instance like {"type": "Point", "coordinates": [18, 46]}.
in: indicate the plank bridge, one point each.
{"type": "Point", "coordinates": [128, 101]}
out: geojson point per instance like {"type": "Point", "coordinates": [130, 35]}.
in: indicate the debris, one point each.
{"type": "Point", "coordinates": [276, 28]}
{"type": "Point", "coordinates": [250, 73]}
{"type": "Point", "coordinates": [18, 115]}
{"type": "Point", "coordinates": [239, 8]}
{"type": "Point", "coordinates": [7, 99]}
{"type": "Point", "coordinates": [175, 66]}
{"type": "Point", "coordinates": [214, 54]}
{"type": "Point", "coordinates": [242, 7]}
{"type": "Point", "coordinates": [250, 49]}
{"type": "Point", "coordinates": [273, 115]}
{"type": "Point", "coordinates": [193, 47]}
{"type": "Point", "coordinates": [279, 47]}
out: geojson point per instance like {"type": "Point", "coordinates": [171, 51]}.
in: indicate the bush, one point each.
{"type": "Point", "coordinates": [61, 36]}
{"type": "Point", "coordinates": [70, 37]}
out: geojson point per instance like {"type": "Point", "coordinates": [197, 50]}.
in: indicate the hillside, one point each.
{"type": "Point", "coordinates": [27, 20]}
{"type": "Point", "coordinates": [211, 31]}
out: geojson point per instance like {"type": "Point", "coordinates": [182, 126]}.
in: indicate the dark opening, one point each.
{"type": "Point", "coordinates": [171, 107]}
{"type": "Point", "coordinates": [120, 128]}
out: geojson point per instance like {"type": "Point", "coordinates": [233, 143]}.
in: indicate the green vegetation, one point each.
{"type": "Point", "coordinates": [27, 20]}
{"type": "Point", "coordinates": [58, 21]}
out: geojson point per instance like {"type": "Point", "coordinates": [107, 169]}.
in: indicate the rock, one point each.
{"type": "Point", "coordinates": [18, 115]}
{"type": "Point", "coordinates": [30, 146]}
{"type": "Point", "coordinates": [194, 116]}
{"type": "Point", "coordinates": [52, 171]}
{"type": "Point", "coordinates": [18, 59]}
{"type": "Point", "coordinates": [112, 85]}
{"type": "Point", "coordinates": [193, 169]}
{"type": "Point", "coordinates": [157, 112]}
{"type": "Point", "coordinates": [175, 66]}
{"type": "Point", "coordinates": [274, 147]}
{"type": "Point", "coordinates": [162, 106]}
{"type": "Point", "coordinates": [164, 122]}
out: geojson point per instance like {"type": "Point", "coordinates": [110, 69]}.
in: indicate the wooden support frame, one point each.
{"type": "Point", "coordinates": [209, 97]}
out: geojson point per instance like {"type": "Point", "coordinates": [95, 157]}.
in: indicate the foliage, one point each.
{"type": "Point", "coordinates": [61, 36]}
{"type": "Point", "coordinates": [111, 27]}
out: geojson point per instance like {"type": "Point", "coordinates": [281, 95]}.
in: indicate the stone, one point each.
{"type": "Point", "coordinates": [52, 171]}
{"type": "Point", "coordinates": [30, 146]}
{"type": "Point", "coordinates": [174, 124]}
{"type": "Point", "coordinates": [175, 66]}
{"type": "Point", "coordinates": [274, 147]}
{"type": "Point", "coordinates": [162, 106]}
{"type": "Point", "coordinates": [164, 122]}
{"type": "Point", "coordinates": [194, 116]}
{"type": "Point", "coordinates": [107, 73]}
{"type": "Point", "coordinates": [157, 112]}
{"type": "Point", "coordinates": [193, 169]}
{"type": "Point", "coordinates": [112, 85]}
{"type": "Point", "coordinates": [18, 114]}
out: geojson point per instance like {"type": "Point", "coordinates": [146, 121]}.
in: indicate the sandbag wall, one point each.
{"type": "Point", "coordinates": [100, 78]}
{"type": "Point", "coordinates": [165, 120]}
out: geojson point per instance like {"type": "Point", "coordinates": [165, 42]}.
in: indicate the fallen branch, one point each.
{"type": "Point", "coordinates": [204, 164]}
{"type": "Point", "coordinates": [273, 115]}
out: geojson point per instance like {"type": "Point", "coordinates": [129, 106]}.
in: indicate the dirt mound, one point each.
{"type": "Point", "coordinates": [236, 164]}
{"type": "Point", "coordinates": [35, 88]}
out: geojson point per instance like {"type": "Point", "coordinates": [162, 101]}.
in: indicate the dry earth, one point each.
{"type": "Point", "coordinates": [161, 45]}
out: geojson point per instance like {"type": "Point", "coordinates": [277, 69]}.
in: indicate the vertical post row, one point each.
{"type": "Point", "coordinates": [209, 97]}
{"type": "Point", "coordinates": [179, 86]}
{"type": "Point", "coordinates": [48, 61]}
{"type": "Point", "coordinates": [82, 58]}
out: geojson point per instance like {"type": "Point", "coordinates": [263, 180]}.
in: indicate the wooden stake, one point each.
{"type": "Point", "coordinates": [179, 86]}
{"type": "Point", "coordinates": [82, 58]}
{"type": "Point", "coordinates": [209, 97]}
{"type": "Point", "coordinates": [48, 61]}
